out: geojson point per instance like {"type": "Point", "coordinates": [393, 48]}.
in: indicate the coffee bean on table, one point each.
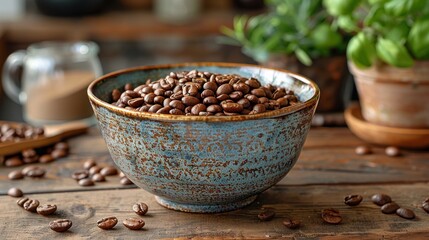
{"type": "Point", "coordinates": [133, 223]}
{"type": "Point", "coordinates": [140, 208]}
{"type": "Point", "coordinates": [94, 170]}
{"type": "Point", "coordinates": [363, 150]}
{"type": "Point", "coordinates": [389, 208]}
{"type": "Point", "coordinates": [98, 178]}
{"type": "Point", "coordinates": [331, 216]}
{"type": "Point", "coordinates": [80, 174]}
{"type": "Point", "coordinates": [425, 206]}
{"type": "Point", "coordinates": [60, 225]}
{"type": "Point", "coordinates": [46, 158]}
{"type": "Point", "coordinates": [27, 169]}
{"type": "Point", "coordinates": [13, 162]}
{"type": "Point", "coordinates": [62, 145]}
{"type": "Point", "coordinates": [58, 153]}
{"type": "Point", "coordinates": [381, 199]}
{"type": "Point", "coordinates": [21, 201]}
{"type": "Point", "coordinates": [353, 200]}
{"type": "Point", "coordinates": [405, 213]}
{"type": "Point", "coordinates": [109, 171]}
{"type": "Point", "coordinates": [107, 223]}
{"type": "Point", "coordinates": [15, 192]}
{"type": "Point", "coordinates": [31, 205]}
{"type": "Point", "coordinates": [292, 224]}
{"type": "Point", "coordinates": [392, 151]}
{"type": "Point", "coordinates": [86, 182]}
{"type": "Point", "coordinates": [125, 181]}
{"type": "Point", "coordinates": [15, 175]}
{"type": "Point", "coordinates": [88, 164]}
{"type": "Point", "coordinates": [266, 215]}
{"type": "Point", "coordinates": [46, 209]}
{"type": "Point", "coordinates": [121, 174]}
{"type": "Point", "coordinates": [36, 172]}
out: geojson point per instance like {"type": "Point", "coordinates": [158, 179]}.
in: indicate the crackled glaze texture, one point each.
{"type": "Point", "coordinates": [200, 165]}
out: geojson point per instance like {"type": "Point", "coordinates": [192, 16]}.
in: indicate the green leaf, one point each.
{"type": "Point", "coordinates": [375, 13]}
{"type": "Point", "coordinates": [398, 33]}
{"type": "Point", "coordinates": [374, 2]}
{"type": "Point", "coordinates": [303, 57]}
{"type": "Point", "coordinates": [361, 50]}
{"type": "Point", "coordinates": [340, 7]}
{"type": "Point", "coordinates": [418, 39]}
{"type": "Point", "coordinates": [393, 53]}
{"type": "Point", "coordinates": [325, 37]}
{"type": "Point", "coordinates": [347, 23]}
{"type": "Point", "coordinates": [404, 7]}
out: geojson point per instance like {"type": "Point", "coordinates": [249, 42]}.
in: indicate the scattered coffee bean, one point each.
{"type": "Point", "coordinates": [363, 150]}
{"type": "Point", "coordinates": [62, 145]}
{"type": "Point", "coordinates": [405, 213]}
{"type": "Point", "coordinates": [88, 164]}
{"type": "Point", "coordinates": [60, 225]}
{"type": "Point", "coordinates": [381, 199]}
{"type": "Point", "coordinates": [13, 162]}
{"type": "Point", "coordinates": [425, 206]}
{"type": "Point", "coordinates": [18, 132]}
{"type": "Point", "coordinates": [125, 181]}
{"type": "Point", "coordinates": [109, 171]}
{"type": "Point", "coordinates": [31, 205]}
{"type": "Point", "coordinates": [98, 178]}
{"type": "Point", "coordinates": [389, 208]}
{"type": "Point", "coordinates": [46, 209]}
{"type": "Point", "coordinates": [58, 153]}
{"type": "Point", "coordinates": [27, 169]}
{"type": "Point", "coordinates": [331, 216]}
{"type": "Point", "coordinates": [107, 223]}
{"type": "Point", "coordinates": [121, 174]}
{"type": "Point", "coordinates": [46, 158]}
{"type": "Point", "coordinates": [292, 224]}
{"type": "Point", "coordinates": [36, 172]}
{"type": "Point", "coordinates": [133, 223]}
{"type": "Point", "coordinates": [86, 182]}
{"type": "Point", "coordinates": [80, 174]}
{"type": "Point", "coordinates": [392, 151]}
{"type": "Point", "coordinates": [21, 201]}
{"type": "Point", "coordinates": [15, 175]}
{"type": "Point", "coordinates": [140, 208]}
{"type": "Point", "coordinates": [94, 170]}
{"type": "Point", "coordinates": [266, 215]}
{"type": "Point", "coordinates": [15, 192]}
{"type": "Point", "coordinates": [353, 200]}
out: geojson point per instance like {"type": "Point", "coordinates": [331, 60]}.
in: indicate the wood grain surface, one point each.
{"type": "Point", "coordinates": [326, 172]}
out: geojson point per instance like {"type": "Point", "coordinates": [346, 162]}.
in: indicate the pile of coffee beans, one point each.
{"type": "Point", "coordinates": [389, 207]}
{"type": "Point", "coordinates": [18, 132]}
{"type": "Point", "coordinates": [39, 155]}
{"type": "Point", "coordinates": [196, 93]}
{"type": "Point", "coordinates": [92, 173]}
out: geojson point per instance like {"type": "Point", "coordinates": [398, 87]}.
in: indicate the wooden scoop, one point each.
{"type": "Point", "coordinates": [53, 134]}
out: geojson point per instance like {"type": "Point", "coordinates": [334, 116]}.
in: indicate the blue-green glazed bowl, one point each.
{"type": "Point", "coordinates": [204, 163]}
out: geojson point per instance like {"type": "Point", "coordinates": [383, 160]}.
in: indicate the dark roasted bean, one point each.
{"type": "Point", "coordinates": [331, 216]}
{"type": "Point", "coordinates": [60, 225]}
{"type": "Point", "coordinates": [253, 83]}
{"type": "Point", "coordinates": [107, 223]}
{"type": "Point", "coordinates": [177, 104]}
{"type": "Point", "coordinates": [381, 199]}
{"type": "Point", "coordinates": [207, 93]}
{"type": "Point", "coordinates": [292, 224]}
{"type": "Point", "coordinates": [136, 102]}
{"type": "Point", "coordinates": [363, 150]}
{"type": "Point", "coordinates": [190, 100]}
{"type": "Point", "coordinates": [176, 111]}
{"type": "Point", "coordinates": [94, 170]}
{"type": "Point", "coordinates": [116, 94]}
{"type": "Point", "coordinates": [46, 158]}
{"type": "Point", "coordinates": [425, 206]}
{"type": "Point", "coordinates": [58, 153]}
{"type": "Point", "coordinates": [154, 108]}
{"type": "Point", "coordinates": [36, 173]}
{"type": "Point", "coordinates": [353, 200]}
{"type": "Point", "coordinates": [222, 97]}
{"type": "Point", "coordinates": [392, 151]}
{"type": "Point", "coordinates": [15, 192]}
{"type": "Point", "coordinates": [164, 110]}
{"type": "Point", "coordinates": [13, 162]}
{"type": "Point", "coordinates": [266, 215]}
{"type": "Point", "coordinates": [210, 86]}
{"type": "Point", "coordinates": [259, 108]}
{"type": "Point", "coordinates": [210, 100]}
{"type": "Point", "coordinates": [258, 92]}
{"type": "Point", "coordinates": [109, 171]}
{"type": "Point", "coordinates": [405, 213]}
{"type": "Point", "coordinates": [21, 201]}
{"type": "Point", "coordinates": [88, 164]}
{"type": "Point", "coordinates": [46, 209]}
{"type": "Point", "coordinates": [128, 86]}
{"type": "Point", "coordinates": [134, 223]}
{"type": "Point", "coordinates": [86, 182]}
{"type": "Point", "coordinates": [80, 174]}
{"type": "Point", "coordinates": [97, 177]}
{"type": "Point", "coordinates": [232, 107]}
{"type": "Point", "coordinates": [242, 87]}
{"type": "Point", "coordinates": [15, 175]}
{"type": "Point", "coordinates": [125, 181]}
{"type": "Point", "coordinates": [244, 102]}
{"type": "Point", "coordinates": [389, 208]}
{"type": "Point", "coordinates": [224, 89]}
{"type": "Point", "coordinates": [140, 208]}
{"type": "Point", "coordinates": [214, 109]}
{"type": "Point", "coordinates": [31, 205]}
{"type": "Point", "coordinates": [196, 109]}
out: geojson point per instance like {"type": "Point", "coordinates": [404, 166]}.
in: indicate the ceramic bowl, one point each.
{"type": "Point", "coordinates": [204, 163]}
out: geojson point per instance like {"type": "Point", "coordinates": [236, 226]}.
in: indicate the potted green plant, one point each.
{"type": "Point", "coordinates": [388, 56]}
{"type": "Point", "coordinates": [299, 36]}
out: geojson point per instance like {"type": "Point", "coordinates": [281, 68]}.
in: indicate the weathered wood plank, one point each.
{"type": "Point", "coordinates": [318, 164]}
{"type": "Point", "coordinates": [298, 202]}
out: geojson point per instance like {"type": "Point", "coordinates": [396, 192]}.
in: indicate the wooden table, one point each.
{"type": "Point", "coordinates": [327, 170]}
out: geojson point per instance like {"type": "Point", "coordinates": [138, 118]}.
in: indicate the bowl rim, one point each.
{"type": "Point", "coordinates": [169, 117]}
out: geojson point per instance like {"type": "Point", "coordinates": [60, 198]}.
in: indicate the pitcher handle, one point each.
{"type": "Point", "coordinates": [13, 62]}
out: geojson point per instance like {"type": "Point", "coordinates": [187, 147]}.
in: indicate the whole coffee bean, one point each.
{"type": "Point", "coordinates": [177, 104]}
{"type": "Point", "coordinates": [60, 225]}
{"type": "Point", "coordinates": [46, 158]}
{"type": "Point", "coordinates": [15, 175]}
{"type": "Point", "coordinates": [109, 171]}
{"type": "Point", "coordinates": [244, 102]}
{"type": "Point", "coordinates": [331, 216]}
{"type": "Point", "coordinates": [222, 97]}
{"type": "Point", "coordinates": [214, 109]}
{"type": "Point", "coordinates": [107, 223]}
{"type": "Point", "coordinates": [363, 150]}
{"type": "Point", "coordinates": [389, 208]}
{"type": "Point", "coordinates": [140, 208]}
{"type": "Point", "coordinates": [29, 153]}
{"type": "Point", "coordinates": [224, 89]}
{"type": "Point", "coordinates": [30, 159]}
{"type": "Point", "coordinates": [149, 98]}
{"type": "Point", "coordinates": [266, 215]}
{"type": "Point", "coordinates": [133, 223]}
{"type": "Point", "coordinates": [95, 169]}
{"type": "Point", "coordinates": [232, 107]}
{"type": "Point", "coordinates": [425, 206]}
{"type": "Point", "coordinates": [15, 192]}
{"type": "Point", "coordinates": [80, 174]}
{"type": "Point", "coordinates": [210, 100]}
{"type": "Point", "coordinates": [164, 110]}
{"type": "Point", "coordinates": [58, 153]}
{"type": "Point", "coordinates": [210, 86]}
{"type": "Point", "coordinates": [86, 182]}
{"type": "Point", "coordinates": [125, 181]}
{"type": "Point", "coordinates": [190, 100]}
{"type": "Point", "coordinates": [236, 95]}
{"type": "Point", "coordinates": [148, 89]}
{"type": "Point", "coordinates": [13, 162]}
{"type": "Point", "coordinates": [353, 200]}
{"type": "Point", "coordinates": [21, 201]}
{"type": "Point", "coordinates": [36, 172]}
{"type": "Point", "coordinates": [259, 108]}
{"type": "Point", "coordinates": [28, 168]}
{"type": "Point", "coordinates": [159, 92]}
{"type": "Point", "coordinates": [252, 98]}
{"type": "Point", "coordinates": [89, 164]}
{"type": "Point", "coordinates": [242, 87]}
{"type": "Point", "coordinates": [392, 151]}
{"type": "Point", "coordinates": [253, 83]}
{"type": "Point", "coordinates": [128, 86]}
{"type": "Point", "coordinates": [258, 92]}
{"type": "Point", "coordinates": [154, 108]}
{"type": "Point", "coordinates": [62, 145]}
{"type": "Point", "coordinates": [405, 213]}
{"type": "Point", "coordinates": [381, 199]}
{"type": "Point", "coordinates": [196, 109]}
{"type": "Point", "coordinates": [31, 205]}
{"type": "Point", "coordinates": [130, 93]}
{"type": "Point", "coordinates": [159, 99]}
{"type": "Point", "coordinates": [283, 102]}
{"type": "Point", "coordinates": [292, 224]}
{"type": "Point", "coordinates": [116, 94]}
{"type": "Point", "coordinates": [46, 209]}
{"type": "Point", "coordinates": [97, 177]}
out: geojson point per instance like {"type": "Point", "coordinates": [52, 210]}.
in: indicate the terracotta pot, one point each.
{"type": "Point", "coordinates": [395, 97]}
{"type": "Point", "coordinates": [330, 74]}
